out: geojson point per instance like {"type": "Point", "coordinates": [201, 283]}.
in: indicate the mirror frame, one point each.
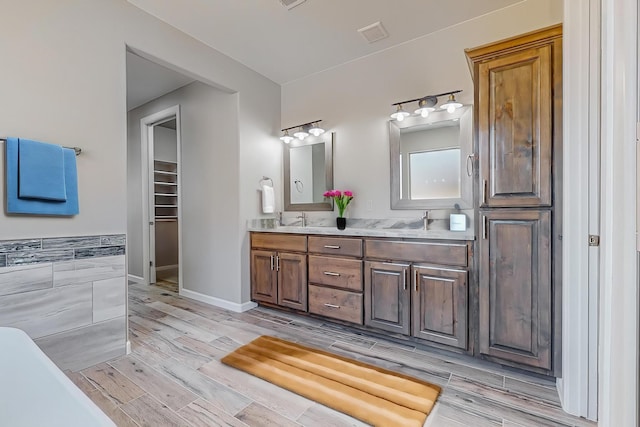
{"type": "Point", "coordinates": [465, 201]}
{"type": "Point", "coordinates": [329, 139]}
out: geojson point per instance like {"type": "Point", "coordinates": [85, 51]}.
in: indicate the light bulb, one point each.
{"type": "Point", "coordinates": [286, 138]}
{"type": "Point", "coordinates": [424, 112]}
{"type": "Point", "coordinates": [316, 130]}
{"type": "Point", "coordinates": [400, 114]}
{"type": "Point", "coordinates": [301, 134]}
{"type": "Point", "coordinates": [451, 108]}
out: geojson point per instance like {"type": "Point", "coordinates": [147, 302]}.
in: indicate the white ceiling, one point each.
{"type": "Point", "coordinates": [285, 45]}
{"type": "Point", "coordinates": [147, 80]}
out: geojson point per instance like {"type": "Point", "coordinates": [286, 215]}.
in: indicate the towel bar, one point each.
{"type": "Point", "coordinates": [78, 150]}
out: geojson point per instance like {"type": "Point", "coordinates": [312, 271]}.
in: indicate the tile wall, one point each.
{"type": "Point", "coordinates": [68, 294]}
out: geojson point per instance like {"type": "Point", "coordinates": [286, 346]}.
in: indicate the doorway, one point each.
{"type": "Point", "coordinates": [160, 141]}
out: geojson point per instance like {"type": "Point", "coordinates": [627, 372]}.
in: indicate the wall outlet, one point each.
{"type": "Point", "coordinates": [369, 205]}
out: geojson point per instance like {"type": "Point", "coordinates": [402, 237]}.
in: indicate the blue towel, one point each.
{"type": "Point", "coordinates": [40, 171]}
{"type": "Point", "coordinates": [15, 205]}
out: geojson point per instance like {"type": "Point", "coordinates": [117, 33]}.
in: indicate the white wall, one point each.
{"type": "Point", "coordinates": [67, 84]}
{"type": "Point", "coordinates": [354, 99]}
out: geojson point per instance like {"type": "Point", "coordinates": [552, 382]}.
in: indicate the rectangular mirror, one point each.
{"type": "Point", "coordinates": [308, 173]}
{"type": "Point", "coordinates": [431, 161]}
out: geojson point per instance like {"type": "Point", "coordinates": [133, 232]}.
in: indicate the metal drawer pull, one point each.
{"type": "Point", "coordinates": [272, 262]}
{"type": "Point", "coordinates": [330, 273]}
{"type": "Point", "coordinates": [332, 246]}
{"type": "Point", "coordinates": [331, 305]}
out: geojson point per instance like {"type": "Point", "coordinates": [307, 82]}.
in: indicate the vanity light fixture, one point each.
{"type": "Point", "coordinates": [400, 114]}
{"type": "Point", "coordinates": [316, 130]}
{"type": "Point", "coordinates": [426, 105]}
{"type": "Point", "coordinates": [286, 137]}
{"type": "Point", "coordinates": [451, 105]}
{"type": "Point", "coordinates": [303, 131]}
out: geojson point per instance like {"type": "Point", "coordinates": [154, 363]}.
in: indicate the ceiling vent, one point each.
{"type": "Point", "coordinates": [290, 4]}
{"type": "Point", "coordinates": [374, 32]}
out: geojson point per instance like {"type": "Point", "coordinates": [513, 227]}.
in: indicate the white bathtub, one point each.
{"type": "Point", "coordinates": [35, 393]}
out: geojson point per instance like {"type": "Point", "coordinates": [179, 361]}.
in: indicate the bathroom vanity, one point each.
{"type": "Point", "coordinates": [414, 288]}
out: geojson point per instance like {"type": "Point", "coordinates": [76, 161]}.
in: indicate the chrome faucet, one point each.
{"type": "Point", "coordinates": [303, 217]}
{"type": "Point", "coordinates": [425, 219]}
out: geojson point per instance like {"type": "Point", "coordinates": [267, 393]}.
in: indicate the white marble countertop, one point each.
{"type": "Point", "coordinates": [368, 232]}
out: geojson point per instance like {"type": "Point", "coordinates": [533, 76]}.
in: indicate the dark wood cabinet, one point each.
{"type": "Point", "coordinates": [515, 287]}
{"type": "Point", "coordinates": [518, 133]}
{"type": "Point", "coordinates": [387, 296]}
{"type": "Point", "coordinates": [292, 280]}
{"type": "Point", "coordinates": [264, 280]}
{"type": "Point", "coordinates": [514, 129]}
{"type": "Point", "coordinates": [440, 305]}
{"type": "Point", "coordinates": [335, 278]}
{"type": "Point", "coordinates": [406, 296]}
{"type": "Point", "coordinates": [279, 276]}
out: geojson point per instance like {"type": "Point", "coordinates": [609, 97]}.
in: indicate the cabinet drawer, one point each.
{"type": "Point", "coordinates": [335, 246]}
{"type": "Point", "coordinates": [283, 242]}
{"type": "Point", "coordinates": [339, 272]}
{"type": "Point", "coordinates": [436, 253]}
{"type": "Point", "coordinates": [336, 303]}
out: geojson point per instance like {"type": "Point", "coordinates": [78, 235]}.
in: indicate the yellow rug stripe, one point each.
{"type": "Point", "coordinates": [417, 396]}
{"type": "Point", "coordinates": [374, 395]}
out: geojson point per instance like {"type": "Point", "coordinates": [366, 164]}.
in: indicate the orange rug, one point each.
{"type": "Point", "coordinates": [374, 395]}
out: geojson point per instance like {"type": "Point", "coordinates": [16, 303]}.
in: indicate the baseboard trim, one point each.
{"type": "Point", "coordinates": [218, 302]}
{"type": "Point", "coordinates": [128, 347]}
{"type": "Point", "coordinates": [135, 278]}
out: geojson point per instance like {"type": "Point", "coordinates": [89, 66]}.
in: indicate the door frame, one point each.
{"type": "Point", "coordinates": [147, 124]}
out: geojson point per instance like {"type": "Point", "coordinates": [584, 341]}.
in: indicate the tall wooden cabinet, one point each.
{"type": "Point", "coordinates": [518, 112]}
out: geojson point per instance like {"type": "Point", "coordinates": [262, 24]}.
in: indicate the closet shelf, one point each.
{"type": "Point", "coordinates": [166, 206]}
{"type": "Point", "coordinates": [166, 162]}
{"type": "Point", "coordinates": [166, 217]}
{"type": "Point", "coordinates": [166, 194]}
{"type": "Point", "coordinates": [165, 183]}
{"type": "Point", "coordinates": [159, 172]}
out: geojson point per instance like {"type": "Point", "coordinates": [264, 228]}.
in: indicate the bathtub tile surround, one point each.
{"type": "Point", "coordinates": [68, 294]}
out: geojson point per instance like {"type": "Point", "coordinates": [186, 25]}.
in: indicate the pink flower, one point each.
{"type": "Point", "coordinates": [340, 198]}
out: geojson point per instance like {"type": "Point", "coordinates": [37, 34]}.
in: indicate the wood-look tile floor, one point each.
{"type": "Point", "coordinates": [174, 377]}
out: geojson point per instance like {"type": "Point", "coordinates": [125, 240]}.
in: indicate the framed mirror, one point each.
{"type": "Point", "coordinates": [308, 173]}
{"type": "Point", "coordinates": [432, 161]}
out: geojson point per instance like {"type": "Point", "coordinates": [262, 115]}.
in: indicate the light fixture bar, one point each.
{"type": "Point", "coordinates": [302, 125]}
{"type": "Point", "coordinates": [425, 97]}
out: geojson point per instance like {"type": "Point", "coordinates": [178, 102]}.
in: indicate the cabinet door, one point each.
{"type": "Point", "coordinates": [292, 280]}
{"type": "Point", "coordinates": [440, 305]}
{"type": "Point", "coordinates": [515, 129]}
{"type": "Point", "coordinates": [387, 297]}
{"type": "Point", "coordinates": [515, 286]}
{"type": "Point", "coordinates": [263, 276]}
